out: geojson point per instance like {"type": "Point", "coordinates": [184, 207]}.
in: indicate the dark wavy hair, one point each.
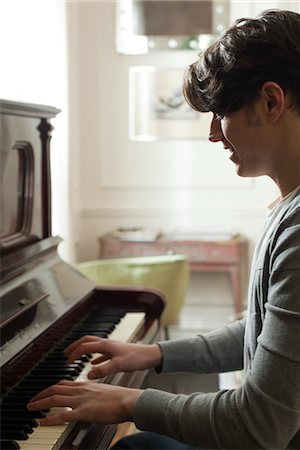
{"type": "Point", "coordinates": [230, 73]}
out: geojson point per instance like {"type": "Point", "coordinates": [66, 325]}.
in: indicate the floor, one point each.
{"type": "Point", "coordinates": [208, 305]}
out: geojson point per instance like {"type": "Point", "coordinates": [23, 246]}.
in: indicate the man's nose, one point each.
{"type": "Point", "coordinates": [215, 133]}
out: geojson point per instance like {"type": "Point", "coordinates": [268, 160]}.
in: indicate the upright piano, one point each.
{"type": "Point", "coordinates": [45, 302]}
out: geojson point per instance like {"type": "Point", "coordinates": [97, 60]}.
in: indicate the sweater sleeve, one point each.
{"type": "Point", "coordinates": [265, 411]}
{"type": "Point", "coordinates": [218, 351]}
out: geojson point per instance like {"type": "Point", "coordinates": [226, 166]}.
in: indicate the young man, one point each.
{"type": "Point", "coordinates": [250, 80]}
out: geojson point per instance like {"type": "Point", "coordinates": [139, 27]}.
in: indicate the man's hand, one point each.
{"type": "Point", "coordinates": [89, 402]}
{"type": "Point", "coordinates": [117, 356]}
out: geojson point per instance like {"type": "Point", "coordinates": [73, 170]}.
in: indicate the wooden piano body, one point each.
{"type": "Point", "coordinates": [46, 303]}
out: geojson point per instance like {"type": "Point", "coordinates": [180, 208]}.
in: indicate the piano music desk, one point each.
{"type": "Point", "coordinates": [230, 256]}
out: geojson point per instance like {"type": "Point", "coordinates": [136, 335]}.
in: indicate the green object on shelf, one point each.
{"type": "Point", "coordinates": [169, 274]}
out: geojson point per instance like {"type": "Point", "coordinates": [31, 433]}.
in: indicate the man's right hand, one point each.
{"type": "Point", "coordinates": [114, 356]}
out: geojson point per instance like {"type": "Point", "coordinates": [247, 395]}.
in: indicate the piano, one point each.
{"type": "Point", "coordinates": [45, 302]}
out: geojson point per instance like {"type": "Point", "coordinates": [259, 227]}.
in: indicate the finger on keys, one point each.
{"type": "Point", "coordinates": [84, 348]}
{"type": "Point", "coordinates": [58, 416]}
{"type": "Point", "coordinates": [99, 359]}
{"type": "Point", "coordinates": [66, 387]}
{"type": "Point", "coordinates": [88, 338]}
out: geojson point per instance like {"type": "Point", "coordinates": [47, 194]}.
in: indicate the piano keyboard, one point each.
{"type": "Point", "coordinates": [19, 427]}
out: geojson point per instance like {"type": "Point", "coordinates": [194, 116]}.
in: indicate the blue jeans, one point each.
{"type": "Point", "coordinates": [150, 441]}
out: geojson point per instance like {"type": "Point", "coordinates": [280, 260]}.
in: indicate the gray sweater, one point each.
{"type": "Point", "coordinates": [265, 411]}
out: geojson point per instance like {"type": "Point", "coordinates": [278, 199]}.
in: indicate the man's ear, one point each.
{"type": "Point", "coordinates": [274, 99]}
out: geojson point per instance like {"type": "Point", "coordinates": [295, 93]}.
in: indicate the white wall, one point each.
{"type": "Point", "coordinates": [165, 184]}
{"type": "Point", "coordinates": [34, 70]}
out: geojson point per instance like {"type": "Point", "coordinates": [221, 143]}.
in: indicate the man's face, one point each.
{"type": "Point", "coordinates": [243, 133]}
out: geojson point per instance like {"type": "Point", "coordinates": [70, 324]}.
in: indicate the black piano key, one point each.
{"type": "Point", "coordinates": [94, 326]}
{"type": "Point", "coordinates": [86, 357]}
{"type": "Point", "coordinates": [37, 381]}
{"type": "Point", "coordinates": [103, 317]}
{"type": "Point", "coordinates": [45, 377]}
{"type": "Point", "coordinates": [40, 373]}
{"type": "Point", "coordinates": [59, 351]}
{"type": "Point", "coordinates": [8, 445]}
{"type": "Point", "coordinates": [19, 427]}
{"type": "Point", "coordinates": [43, 383]}
{"type": "Point", "coordinates": [9, 408]}
{"type": "Point", "coordinates": [54, 356]}
{"type": "Point", "coordinates": [13, 435]}
{"type": "Point", "coordinates": [15, 403]}
{"type": "Point", "coordinates": [57, 364]}
{"type": "Point", "coordinates": [75, 334]}
{"type": "Point", "coordinates": [60, 358]}
{"type": "Point", "coordinates": [51, 372]}
{"type": "Point", "coordinates": [60, 372]}
{"type": "Point", "coordinates": [18, 421]}
{"type": "Point", "coordinates": [25, 392]}
{"type": "Point", "coordinates": [74, 338]}
{"type": "Point", "coordinates": [23, 413]}
{"type": "Point", "coordinates": [32, 387]}
{"type": "Point", "coordinates": [15, 396]}
{"type": "Point", "coordinates": [79, 363]}
{"type": "Point", "coordinates": [30, 390]}
{"type": "Point", "coordinates": [104, 322]}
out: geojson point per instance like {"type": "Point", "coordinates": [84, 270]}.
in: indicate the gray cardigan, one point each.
{"type": "Point", "coordinates": [265, 411]}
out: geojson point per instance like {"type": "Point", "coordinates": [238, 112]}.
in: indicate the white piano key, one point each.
{"type": "Point", "coordinates": [50, 440]}
{"type": "Point", "coordinates": [35, 445]}
{"type": "Point", "coordinates": [128, 327]}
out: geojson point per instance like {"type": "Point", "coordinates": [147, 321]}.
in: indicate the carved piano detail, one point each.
{"type": "Point", "coordinates": [46, 303]}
